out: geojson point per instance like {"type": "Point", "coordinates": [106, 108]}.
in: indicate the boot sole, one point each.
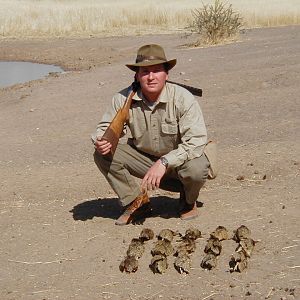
{"type": "Point", "coordinates": [189, 218]}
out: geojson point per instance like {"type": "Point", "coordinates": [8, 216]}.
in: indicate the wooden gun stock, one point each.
{"type": "Point", "coordinates": [114, 130]}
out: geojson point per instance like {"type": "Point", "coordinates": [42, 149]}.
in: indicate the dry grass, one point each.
{"type": "Point", "coordinates": [44, 18]}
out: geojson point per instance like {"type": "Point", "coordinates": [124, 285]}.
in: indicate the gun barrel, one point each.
{"type": "Point", "coordinates": [195, 91]}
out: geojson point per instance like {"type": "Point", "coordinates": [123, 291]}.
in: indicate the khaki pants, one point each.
{"type": "Point", "coordinates": [128, 163]}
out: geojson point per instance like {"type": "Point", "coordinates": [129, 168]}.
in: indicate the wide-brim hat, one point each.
{"type": "Point", "coordinates": [150, 55]}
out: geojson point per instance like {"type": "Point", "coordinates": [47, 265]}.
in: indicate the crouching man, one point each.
{"type": "Point", "coordinates": [167, 139]}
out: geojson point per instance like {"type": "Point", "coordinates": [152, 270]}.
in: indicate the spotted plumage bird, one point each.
{"type": "Point", "coordinates": [159, 264]}
{"type": "Point", "coordinates": [129, 264]}
{"type": "Point", "coordinates": [209, 261]}
{"type": "Point", "coordinates": [243, 232]}
{"type": "Point", "coordinates": [238, 262]}
{"type": "Point", "coordinates": [220, 233]}
{"type": "Point", "coordinates": [186, 245]}
{"type": "Point", "coordinates": [182, 263]}
{"type": "Point", "coordinates": [213, 246]}
{"type": "Point", "coordinates": [192, 234]}
{"type": "Point", "coordinates": [136, 248]}
{"type": "Point", "coordinates": [162, 247]}
{"type": "Point", "coordinates": [246, 246]}
{"type": "Point", "coordinates": [146, 234]}
{"type": "Point", "coordinates": [166, 234]}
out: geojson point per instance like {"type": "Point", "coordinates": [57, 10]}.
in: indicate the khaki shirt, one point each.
{"type": "Point", "coordinates": [173, 128]}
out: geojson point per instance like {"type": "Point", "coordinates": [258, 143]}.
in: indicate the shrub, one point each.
{"type": "Point", "coordinates": [215, 22]}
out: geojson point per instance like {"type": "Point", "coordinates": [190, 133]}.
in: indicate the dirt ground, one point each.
{"type": "Point", "coordinates": [57, 212]}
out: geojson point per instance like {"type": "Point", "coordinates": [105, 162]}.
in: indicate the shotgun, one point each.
{"type": "Point", "coordinates": [113, 132]}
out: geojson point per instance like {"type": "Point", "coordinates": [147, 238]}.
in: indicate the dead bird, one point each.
{"type": "Point", "coordinates": [129, 264]}
{"type": "Point", "coordinates": [146, 234]}
{"type": "Point", "coordinates": [243, 232]}
{"type": "Point", "coordinates": [159, 264]}
{"type": "Point", "coordinates": [220, 233]}
{"type": "Point", "coordinates": [186, 245]}
{"type": "Point", "coordinates": [136, 248]}
{"type": "Point", "coordinates": [246, 246]}
{"type": "Point", "coordinates": [209, 261]}
{"type": "Point", "coordinates": [238, 262]}
{"type": "Point", "coordinates": [182, 263]}
{"type": "Point", "coordinates": [192, 234]}
{"type": "Point", "coordinates": [162, 247]}
{"type": "Point", "coordinates": [166, 234]}
{"type": "Point", "coordinates": [213, 246]}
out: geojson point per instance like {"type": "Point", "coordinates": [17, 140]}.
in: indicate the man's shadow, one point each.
{"type": "Point", "coordinates": [161, 206]}
{"type": "Point", "coordinates": [104, 208]}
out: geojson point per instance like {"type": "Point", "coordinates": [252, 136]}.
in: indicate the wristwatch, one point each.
{"type": "Point", "coordinates": [164, 161]}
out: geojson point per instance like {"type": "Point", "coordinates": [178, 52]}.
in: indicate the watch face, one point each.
{"type": "Point", "coordinates": [164, 161]}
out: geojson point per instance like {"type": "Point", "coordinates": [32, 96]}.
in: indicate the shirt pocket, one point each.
{"type": "Point", "coordinates": [169, 128]}
{"type": "Point", "coordinates": [169, 139]}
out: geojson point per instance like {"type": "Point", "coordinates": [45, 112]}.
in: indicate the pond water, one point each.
{"type": "Point", "coordinates": [12, 72]}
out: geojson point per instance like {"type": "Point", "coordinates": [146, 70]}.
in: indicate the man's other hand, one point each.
{"type": "Point", "coordinates": [152, 178]}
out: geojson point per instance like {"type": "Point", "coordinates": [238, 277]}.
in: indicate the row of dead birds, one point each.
{"type": "Point", "coordinates": [239, 261]}
{"type": "Point", "coordinates": [163, 249]}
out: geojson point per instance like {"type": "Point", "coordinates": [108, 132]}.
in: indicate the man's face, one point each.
{"type": "Point", "coordinates": [152, 80]}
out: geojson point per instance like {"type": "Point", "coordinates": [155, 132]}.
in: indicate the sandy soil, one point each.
{"type": "Point", "coordinates": [57, 212]}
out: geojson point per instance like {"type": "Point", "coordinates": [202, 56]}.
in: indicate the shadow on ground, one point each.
{"type": "Point", "coordinates": [161, 206]}
{"type": "Point", "coordinates": [103, 208]}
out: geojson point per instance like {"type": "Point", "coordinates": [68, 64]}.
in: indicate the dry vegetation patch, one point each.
{"type": "Point", "coordinates": [60, 18]}
{"type": "Point", "coordinates": [215, 23]}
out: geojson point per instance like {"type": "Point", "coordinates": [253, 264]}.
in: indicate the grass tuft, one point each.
{"type": "Point", "coordinates": [215, 23]}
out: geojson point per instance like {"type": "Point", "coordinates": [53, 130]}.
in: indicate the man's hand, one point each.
{"type": "Point", "coordinates": [152, 178]}
{"type": "Point", "coordinates": [102, 146]}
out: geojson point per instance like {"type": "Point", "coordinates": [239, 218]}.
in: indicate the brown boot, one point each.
{"type": "Point", "coordinates": [139, 205]}
{"type": "Point", "coordinates": [187, 211]}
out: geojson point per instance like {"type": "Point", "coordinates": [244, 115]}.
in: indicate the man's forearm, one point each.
{"type": "Point", "coordinates": [183, 153]}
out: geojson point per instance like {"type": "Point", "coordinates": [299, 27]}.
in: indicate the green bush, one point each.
{"type": "Point", "coordinates": [215, 22]}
